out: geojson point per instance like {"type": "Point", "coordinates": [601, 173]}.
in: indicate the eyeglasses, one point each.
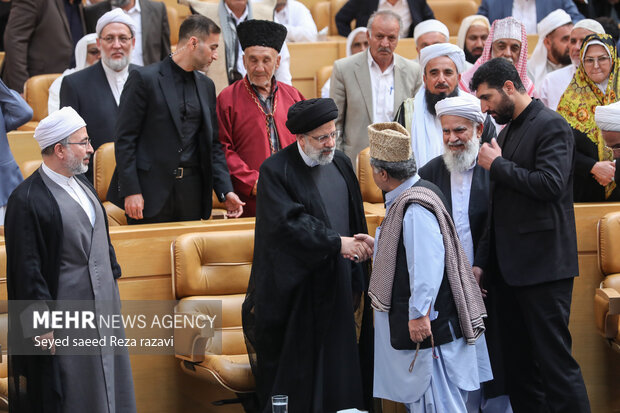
{"type": "Point", "coordinates": [124, 40]}
{"type": "Point", "coordinates": [83, 143]}
{"type": "Point", "coordinates": [601, 60]}
{"type": "Point", "coordinates": [323, 138]}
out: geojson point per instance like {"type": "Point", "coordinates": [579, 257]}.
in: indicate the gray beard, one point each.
{"type": "Point", "coordinates": [76, 165]}
{"type": "Point", "coordinates": [317, 155]}
{"type": "Point", "coordinates": [457, 162]}
{"type": "Point", "coordinates": [117, 64]}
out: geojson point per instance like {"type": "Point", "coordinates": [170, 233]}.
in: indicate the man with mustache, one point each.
{"type": "Point", "coordinates": [552, 50]}
{"type": "Point", "coordinates": [95, 92]}
{"type": "Point", "coordinates": [307, 289]}
{"type": "Point", "coordinates": [58, 249]}
{"type": "Point", "coordinates": [465, 185]}
{"type": "Point", "coordinates": [252, 111]}
{"type": "Point", "coordinates": [555, 83]}
{"type": "Point", "coordinates": [370, 86]}
{"type": "Point", "coordinates": [507, 39]}
{"type": "Point", "coordinates": [442, 64]}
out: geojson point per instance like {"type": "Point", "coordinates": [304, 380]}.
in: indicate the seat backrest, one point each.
{"type": "Point", "coordinates": [104, 162]}
{"type": "Point", "coordinates": [215, 266]}
{"type": "Point", "coordinates": [370, 191]}
{"type": "Point", "coordinates": [29, 167]}
{"type": "Point", "coordinates": [334, 8]}
{"type": "Point", "coordinates": [173, 24]}
{"type": "Point", "coordinates": [609, 243]}
{"type": "Point", "coordinates": [452, 12]}
{"type": "Point", "coordinates": [321, 14]}
{"type": "Point", "coordinates": [36, 94]}
{"type": "Point", "coordinates": [322, 75]}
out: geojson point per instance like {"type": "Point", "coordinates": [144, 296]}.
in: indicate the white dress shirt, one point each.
{"type": "Point", "coordinates": [460, 188]}
{"type": "Point", "coordinates": [525, 12]}
{"type": "Point", "coordinates": [116, 80]}
{"type": "Point", "coordinates": [75, 191]}
{"type": "Point", "coordinates": [401, 7]}
{"type": "Point", "coordinates": [298, 22]}
{"type": "Point", "coordinates": [382, 84]}
{"type": "Point", "coordinates": [135, 13]}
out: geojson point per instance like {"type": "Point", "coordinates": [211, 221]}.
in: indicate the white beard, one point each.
{"type": "Point", "coordinates": [117, 64]}
{"type": "Point", "coordinates": [462, 160]}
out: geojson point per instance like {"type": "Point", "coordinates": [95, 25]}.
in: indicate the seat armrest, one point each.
{"type": "Point", "coordinates": [191, 343]}
{"type": "Point", "coordinates": [612, 296]}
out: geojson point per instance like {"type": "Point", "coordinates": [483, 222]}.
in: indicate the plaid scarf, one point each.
{"type": "Point", "coordinates": [465, 289]}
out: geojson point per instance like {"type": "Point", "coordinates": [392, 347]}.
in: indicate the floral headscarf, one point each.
{"type": "Point", "coordinates": [582, 96]}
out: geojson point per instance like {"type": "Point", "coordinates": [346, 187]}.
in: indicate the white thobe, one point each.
{"type": "Point", "coordinates": [554, 85]}
{"type": "Point", "coordinates": [382, 86]}
{"type": "Point", "coordinates": [525, 12]}
{"type": "Point", "coordinates": [298, 21]}
{"type": "Point", "coordinates": [401, 7]}
{"type": "Point", "coordinates": [440, 382]}
{"type": "Point", "coordinates": [136, 15]}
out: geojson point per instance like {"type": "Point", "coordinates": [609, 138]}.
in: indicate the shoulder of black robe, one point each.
{"type": "Point", "coordinates": [33, 231]}
{"type": "Point", "coordinates": [288, 302]}
{"type": "Point", "coordinates": [489, 131]}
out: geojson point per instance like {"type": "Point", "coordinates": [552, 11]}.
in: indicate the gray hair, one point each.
{"type": "Point", "coordinates": [383, 13]}
{"type": "Point", "coordinates": [397, 170]}
{"type": "Point", "coordinates": [49, 150]}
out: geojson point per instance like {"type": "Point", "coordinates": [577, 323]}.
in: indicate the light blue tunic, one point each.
{"type": "Point", "coordinates": [435, 384]}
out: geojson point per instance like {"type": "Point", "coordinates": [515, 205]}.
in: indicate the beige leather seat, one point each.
{"type": "Point", "coordinates": [607, 297]}
{"type": "Point", "coordinates": [214, 266]}
{"type": "Point", "coordinates": [371, 194]}
{"type": "Point", "coordinates": [104, 162]}
{"type": "Point", "coordinates": [36, 94]}
{"type": "Point", "coordinates": [173, 24]}
{"type": "Point", "coordinates": [27, 168]}
{"type": "Point", "coordinates": [322, 76]}
{"type": "Point", "coordinates": [452, 12]}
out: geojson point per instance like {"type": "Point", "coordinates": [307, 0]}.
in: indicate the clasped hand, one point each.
{"type": "Point", "coordinates": [357, 248]}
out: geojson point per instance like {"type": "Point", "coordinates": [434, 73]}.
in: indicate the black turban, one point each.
{"type": "Point", "coordinates": [308, 115]}
{"type": "Point", "coordinates": [261, 33]}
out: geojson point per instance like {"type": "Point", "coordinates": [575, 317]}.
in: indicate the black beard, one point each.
{"type": "Point", "coordinates": [563, 59]}
{"type": "Point", "coordinates": [504, 111]}
{"type": "Point", "coordinates": [432, 99]}
{"type": "Point", "coordinates": [470, 57]}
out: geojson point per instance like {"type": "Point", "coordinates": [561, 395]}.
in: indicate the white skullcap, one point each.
{"type": "Point", "coordinates": [508, 28]}
{"type": "Point", "coordinates": [115, 16]}
{"type": "Point", "coordinates": [465, 105]}
{"type": "Point", "coordinates": [538, 61]}
{"type": "Point", "coordinates": [591, 25]}
{"type": "Point", "coordinates": [469, 21]}
{"type": "Point", "coordinates": [443, 49]}
{"type": "Point", "coordinates": [351, 38]}
{"type": "Point", "coordinates": [57, 126]}
{"type": "Point", "coordinates": [428, 26]}
{"type": "Point", "coordinates": [608, 117]}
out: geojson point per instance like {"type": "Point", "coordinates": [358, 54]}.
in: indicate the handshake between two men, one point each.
{"type": "Point", "coordinates": [357, 248]}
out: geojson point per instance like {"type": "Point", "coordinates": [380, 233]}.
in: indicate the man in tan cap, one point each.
{"type": "Point", "coordinates": [428, 307]}
{"type": "Point", "coordinates": [58, 248]}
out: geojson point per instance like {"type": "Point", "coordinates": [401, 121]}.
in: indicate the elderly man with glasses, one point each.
{"type": "Point", "coordinates": [306, 316]}
{"type": "Point", "coordinates": [95, 92]}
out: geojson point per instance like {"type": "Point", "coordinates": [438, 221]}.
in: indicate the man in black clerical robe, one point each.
{"type": "Point", "coordinates": [299, 315]}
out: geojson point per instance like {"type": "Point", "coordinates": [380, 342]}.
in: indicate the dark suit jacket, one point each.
{"type": "Point", "coordinates": [148, 140]}
{"type": "Point", "coordinates": [360, 10]}
{"type": "Point", "coordinates": [155, 28]}
{"type": "Point", "coordinates": [88, 92]}
{"type": "Point", "coordinates": [499, 9]}
{"type": "Point", "coordinates": [532, 218]}
{"type": "Point", "coordinates": [436, 172]}
{"type": "Point", "coordinates": [37, 41]}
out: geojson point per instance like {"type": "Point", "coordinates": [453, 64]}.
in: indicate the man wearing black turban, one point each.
{"type": "Point", "coordinates": [309, 275]}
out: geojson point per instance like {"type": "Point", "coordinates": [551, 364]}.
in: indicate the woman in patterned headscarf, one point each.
{"type": "Point", "coordinates": [595, 84]}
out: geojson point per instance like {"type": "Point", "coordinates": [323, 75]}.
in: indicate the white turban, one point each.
{"type": "Point", "coordinates": [465, 105]}
{"type": "Point", "coordinates": [428, 26]}
{"type": "Point", "coordinates": [81, 50]}
{"type": "Point", "coordinates": [443, 49]}
{"type": "Point", "coordinates": [115, 16]}
{"type": "Point", "coordinates": [475, 20]}
{"type": "Point", "coordinates": [538, 61]}
{"type": "Point", "coordinates": [591, 25]}
{"type": "Point", "coordinates": [351, 38]}
{"type": "Point", "coordinates": [608, 117]}
{"type": "Point", "coordinates": [508, 28]}
{"type": "Point", "coordinates": [57, 126]}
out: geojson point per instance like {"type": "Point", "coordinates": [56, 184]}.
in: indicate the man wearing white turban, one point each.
{"type": "Point", "coordinates": [95, 92]}
{"type": "Point", "coordinates": [472, 35]}
{"type": "Point", "coordinates": [58, 248]}
{"type": "Point", "coordinates": [556, 82]}
{"type": "Point", "coordinates": [552, 50]}
{"type": "Point", "coordinates": [608, 120]}
{"type": "Point", "coordinates": [465, 185]}
{"type": "Point", "coordinates": [430, 32]}
{"type": "Point", "coordinates": [442, 65]}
